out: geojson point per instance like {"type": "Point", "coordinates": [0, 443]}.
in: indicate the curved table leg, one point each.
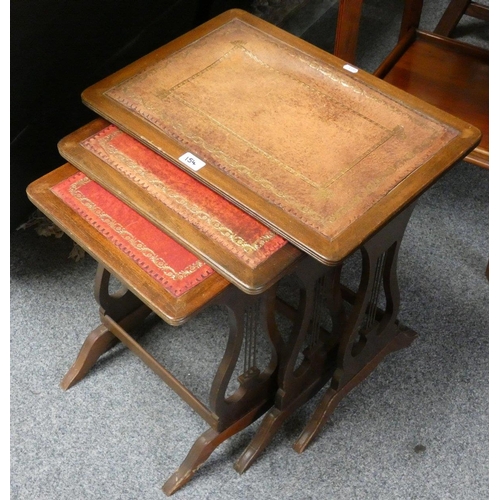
{"type": "Point", "coordinates": [256, 390]}
{"type": "Point", "coordinates": [203, 448]}
{"type": "Point", "coordinates": [250, 318]}
{"type": "Point", "coordinates": [270, 425]}
{"type": "Point", "coordinates": [128, 309]}
{"type": "Point", "coordinates": [332, 397]}
{"type": "Point", "coordinates": [371, 333]}
{"type": "Point", "coordinates": [96, 344]}
{"type": "Point", "coordinates": [319, 291]}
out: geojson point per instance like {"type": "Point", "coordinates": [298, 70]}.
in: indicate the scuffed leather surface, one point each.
{"type": "Point", "coordinates": [303, 134]}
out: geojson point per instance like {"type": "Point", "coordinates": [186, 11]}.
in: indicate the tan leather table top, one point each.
{"type": "Point", "coordinates": [321, 153]}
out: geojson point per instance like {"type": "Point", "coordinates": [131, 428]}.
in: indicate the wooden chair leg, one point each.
{"type": "Point", "coordinates": [451, 17]}
{"type": "Point", "coordinates": [455, 11]}
{"type": "Point", "coordinates": [347, 32]}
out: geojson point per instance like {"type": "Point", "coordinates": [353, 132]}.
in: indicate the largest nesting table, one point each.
{"type": "Point", "coordinates": [326, 158]}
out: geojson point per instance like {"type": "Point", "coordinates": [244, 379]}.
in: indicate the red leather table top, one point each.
{"type": "Point", "coordinates": [237, 246]}
{"type": "Point", "coordinates": [159, 255]}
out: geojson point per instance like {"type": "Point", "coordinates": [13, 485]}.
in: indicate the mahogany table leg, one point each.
{"type": "Point", "coordinates": [320, 288]}
{"type": "Point", "coordinates": [203, 448]}
{"type": "Point", "coordinates": [271, 423]}
{"type": "Point", "coordinates": [96, 344]}
{"type": "Point", "coordinates": [250, 318]}
{"type": "Point", "coordinates": [332, 397]}
{"type": "Point", "coordinates": [371, 333]}
{"type": "Point", "coordinates": [257, 388]}
{"type": "Point", "coordinates": [130, 312]}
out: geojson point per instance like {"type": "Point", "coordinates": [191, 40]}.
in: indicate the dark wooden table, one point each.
{"type": "Point", "coordinates": [326, 156]}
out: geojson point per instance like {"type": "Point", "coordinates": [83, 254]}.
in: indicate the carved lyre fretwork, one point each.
{"type": "Point", "coordinates": [117, 304]}
{"type": "Point", "coordinates": [310, 343]}
{"type": "Point", "coordinates": [248, 314]}
{"type": "Point", "coordinates": [250, 318]}
{"type": "Point", "coordinates": [371, 331]}
{"type": "Point", "coordinates": [369, 326]}
{"type": "Point", "coordinates": [307, 353]}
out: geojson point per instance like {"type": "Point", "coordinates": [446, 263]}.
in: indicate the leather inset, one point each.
{"type": "Point", "coordinates": [164, 259]}
{"type": "Point", "coordinates": [223, 222]}
{"type": "Point", "coordinates": [305, 135]}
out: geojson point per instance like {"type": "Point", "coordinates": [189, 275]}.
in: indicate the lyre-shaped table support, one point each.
{"type": "Point", "coordinates": [371, 332]}
{"type": "Point", "coordinates": [355, 346]}
{"type": "Point", "coordinates": [121, 312]}
{"type": "Point", "coordinates": [344, 353]}
{"type": "Point", "coordinates": [256, 388]}
{"type": "Point", "coordinates": [298, 382]}
{"type": "Point", "coordinates": [127, 310]}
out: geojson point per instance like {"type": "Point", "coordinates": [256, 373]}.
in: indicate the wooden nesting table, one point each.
{"type": "Point", "coordinates": [316, 158]}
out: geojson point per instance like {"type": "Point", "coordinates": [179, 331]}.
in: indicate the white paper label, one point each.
{"type": "Point", "coordinates": [350, 68]}
{"type": "Point", "coordinates": [192, 161]}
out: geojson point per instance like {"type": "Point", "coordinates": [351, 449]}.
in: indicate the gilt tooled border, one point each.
{"type": "Point", "coordinates": [303, 213]}
{"type": "Point", "coordinates": [205, 222]}
{"type": "Point", "coordinates": [336, 76]}
{"type": "Point", "coordinates": [286, 201]}
{"type": "Point", "coordinates": [164, 94]}
{"type": "Point", "coordinates": [320, 66]}
{"type": "Point", "coordinates": [103, 219]}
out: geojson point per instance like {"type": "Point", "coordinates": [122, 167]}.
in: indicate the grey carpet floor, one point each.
{"type": "Point", "coordinates": [417, 428]}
